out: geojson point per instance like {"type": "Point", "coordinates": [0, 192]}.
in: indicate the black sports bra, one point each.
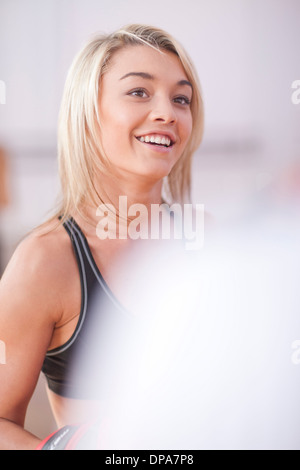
{"type": "Point", "coordinates": [83, 366]}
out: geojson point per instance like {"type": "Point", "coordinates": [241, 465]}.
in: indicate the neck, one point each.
{"type": "Point", "coordinates": [114, 190]}
{"type": "Point", "coordinates": [136, 190]}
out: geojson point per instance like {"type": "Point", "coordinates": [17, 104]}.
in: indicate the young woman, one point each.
{"type": "Point", "coordinates": [130, 121]}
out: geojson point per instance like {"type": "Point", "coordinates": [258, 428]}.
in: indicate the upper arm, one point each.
{"type": "Point", "coordinates": [29, 308]}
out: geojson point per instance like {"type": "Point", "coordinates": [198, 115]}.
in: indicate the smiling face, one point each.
{"type": "Point", "coordinates": [144, 109]}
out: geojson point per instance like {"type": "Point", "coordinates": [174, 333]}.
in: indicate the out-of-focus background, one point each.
{"type": "Point", "coordinates": [247, 56]}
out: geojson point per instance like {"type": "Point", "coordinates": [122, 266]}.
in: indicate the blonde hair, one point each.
{"type": "Point", "coordinates": [80, 155]}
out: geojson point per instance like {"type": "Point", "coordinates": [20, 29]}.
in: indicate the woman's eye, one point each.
{"type": "Point", "coordinates": [140, 93]}
{"type": "Point", "coordinates": [184, 100]}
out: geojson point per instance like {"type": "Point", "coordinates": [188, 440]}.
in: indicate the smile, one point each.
{"type": "Point", "coordinates": [155, 139]}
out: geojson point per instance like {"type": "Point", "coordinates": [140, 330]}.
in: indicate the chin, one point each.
{"type": "Point", "coordinates": [157, 169]}
{"type": "Point", "coordinates": [157, 173]}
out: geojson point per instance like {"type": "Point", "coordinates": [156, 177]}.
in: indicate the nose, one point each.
{"type": "Point", "coordinates": [163, 111]}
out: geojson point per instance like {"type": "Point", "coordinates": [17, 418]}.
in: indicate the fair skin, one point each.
{"type": "Point", "coordinates": [143, 93]}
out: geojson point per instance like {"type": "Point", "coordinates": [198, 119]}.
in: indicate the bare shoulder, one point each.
{"type": "Point", "coordinates": [39, 266]}
{"type": "Point", "coordinates": [40, 252]}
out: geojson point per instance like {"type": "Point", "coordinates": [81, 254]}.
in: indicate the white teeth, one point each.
{"type": "Point", "coordinates": [155, 139]}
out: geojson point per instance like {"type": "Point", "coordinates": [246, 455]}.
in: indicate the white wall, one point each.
{"type": "Point", "coordinates": [245, 52]}
{"type": "Point", "coordinates": [247, 56]}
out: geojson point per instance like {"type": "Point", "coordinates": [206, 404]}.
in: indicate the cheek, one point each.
{"type": "Point", "coordinates": [186, 128]}
{"type": "Point", "coordinates": [116, 136]}
{"type": "Point", "coordinates": [112, 132]}
{"type": "Point", "coordinates": [119, 126]}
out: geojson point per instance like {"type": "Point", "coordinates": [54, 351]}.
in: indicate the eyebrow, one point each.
{"type": "Point", "coordinates": [185, 82]}
{"type": "Point", "coordinates": [148, 76]}
{"type": "Point", "coordinates": [138, 74]}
